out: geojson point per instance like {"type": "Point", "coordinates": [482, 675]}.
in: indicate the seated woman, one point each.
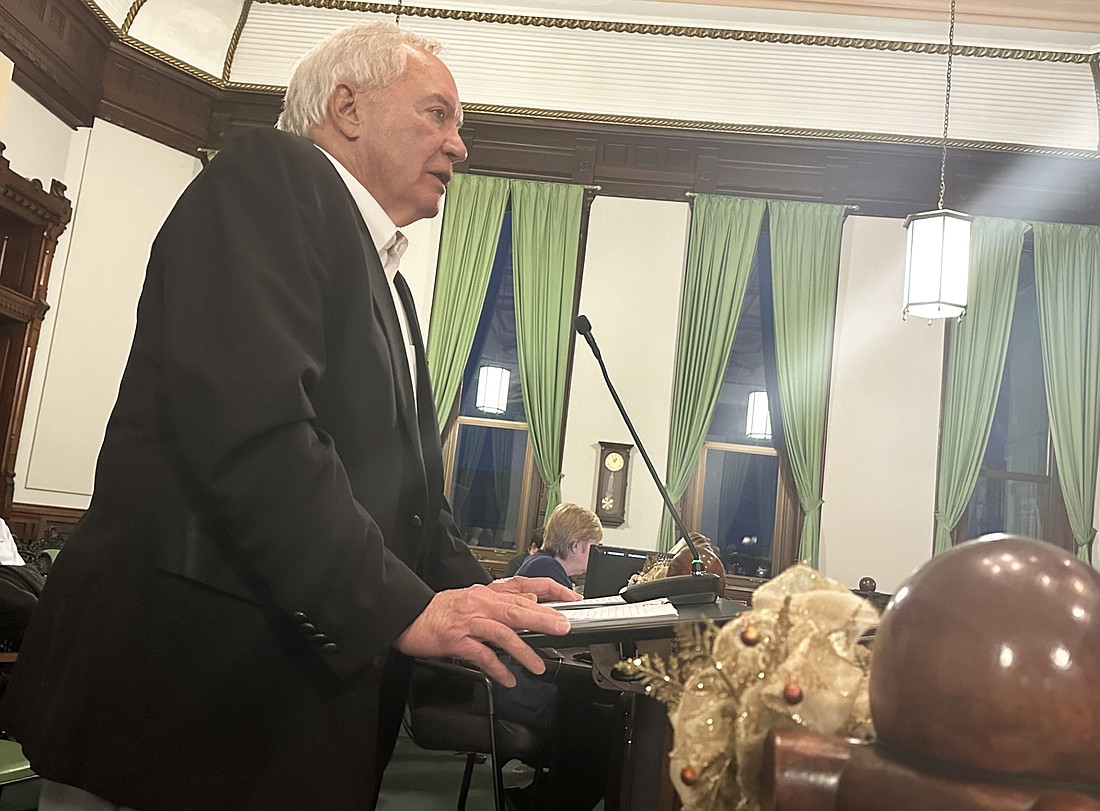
{"type": "Point", "coordinates": [571, 531]}
{"type": "Point", "coordinates": [579, 716]}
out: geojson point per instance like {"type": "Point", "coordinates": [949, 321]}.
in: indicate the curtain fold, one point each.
{"type": "Point", "coordinates": [720, 250]}
{"type": "Point", "coordinates": [471, 229]}
{"type": "Point", "coordinates": [1067, 282]}
{"type": "Point", "coordinates": [805, 240]}
{"type": "Point", "coordinates": [975, 366]}
{"type": "Point", "coordinates": [546, 222]}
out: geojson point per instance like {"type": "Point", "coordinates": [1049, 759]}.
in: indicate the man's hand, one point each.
{"type": "Point", "coordinates": [542, 589]}
{"type": "Point", "coordinates": [463, 623]}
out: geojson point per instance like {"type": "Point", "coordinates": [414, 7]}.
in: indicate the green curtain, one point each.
{"type": "Point", "coordinates": [1067, 283]}
{"type": "Point", "coordinates": [975, 365]}
{"type": "Point", "coordinates": [805, 241]}
{"type": "Point", "coordinates": [471, 230]}
{"type": "Point", "coordinates": [720, 250]}
{"type": "Point", "coordinates": [546, 224]}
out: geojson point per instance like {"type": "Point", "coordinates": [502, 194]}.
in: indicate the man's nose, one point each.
{"type": "Point", "coordinates": [455, 148]}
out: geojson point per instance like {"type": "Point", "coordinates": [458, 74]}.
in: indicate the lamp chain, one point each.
{"type": "Point", "coordinates": [401, 4]}
{"type": "Point", "coordinates": [947, 104]}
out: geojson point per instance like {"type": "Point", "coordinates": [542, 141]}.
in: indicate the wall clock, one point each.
{"type": "Point", "coordinates": [611, 479]}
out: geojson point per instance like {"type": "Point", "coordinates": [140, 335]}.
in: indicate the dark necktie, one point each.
{"type": "Point", "coordinates": [423, 388]}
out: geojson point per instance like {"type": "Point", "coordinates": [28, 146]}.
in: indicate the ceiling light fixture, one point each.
{"type": "Point", "coordinates": [937, 255]}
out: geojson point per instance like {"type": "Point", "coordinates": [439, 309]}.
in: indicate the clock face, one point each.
{"type": "Point", "coordinates": [613, 461]}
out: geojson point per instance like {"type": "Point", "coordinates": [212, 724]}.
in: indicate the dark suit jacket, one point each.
{"type": "Point", "coordinates": [267, 518]}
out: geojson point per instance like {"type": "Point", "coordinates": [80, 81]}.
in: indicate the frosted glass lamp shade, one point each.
{"type": "Point", "coordinates": [758, 421]}
{"type": "Point", "coordinates": [937, 264]}
{"type": "Point", "coordinates": [492, 389]}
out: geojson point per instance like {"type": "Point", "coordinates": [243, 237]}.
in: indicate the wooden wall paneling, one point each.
{"type": "Point", "coordinates": [13, 335]}
{"type": "Point", "coordinates": [584, 160]}
{"type": "Point", "coordinates": [31, 522]}
{"type": "Point", "coordinates": [236, 111]}
{"type": "Point", "coordinates": [1054, 189]}
{"type": "Point", "coordinates": [142, 94]}
{"type": "Point", "coordinates": [58, 47]}
{"type": "Point", "coordinates": [836, 178]}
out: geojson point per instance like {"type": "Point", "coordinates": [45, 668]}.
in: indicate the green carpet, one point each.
{"type": "Point", "coordinates": [419, 780]}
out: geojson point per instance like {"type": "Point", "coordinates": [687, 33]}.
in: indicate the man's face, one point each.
{"type": "Point", "coordinates": [410, 139]}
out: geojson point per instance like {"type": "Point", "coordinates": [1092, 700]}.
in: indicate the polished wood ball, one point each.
{"type": "Point", "coordinates": [689, 775]}
{"type": "Point", "coordinates": [681, 561]}
{"type": "Point", "coordinates": [750, 635]}
{"type": "Point", "coordinates": [998, 634]}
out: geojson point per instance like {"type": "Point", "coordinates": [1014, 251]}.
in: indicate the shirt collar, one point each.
{"type": "Point", "coordinates": [388, 241]}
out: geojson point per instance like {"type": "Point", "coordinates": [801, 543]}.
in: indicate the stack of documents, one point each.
{"type": "Point", "coordinates": [605, 609]}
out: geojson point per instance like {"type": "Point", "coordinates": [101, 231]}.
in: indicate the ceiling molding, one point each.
{"type": "Point", "coordinates": [1067, 15]}
{"type": "Point", "coordinates": [686, 32]}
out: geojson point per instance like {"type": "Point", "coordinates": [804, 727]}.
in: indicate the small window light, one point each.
{"type": "Point", "coordinates": [758, 422]}
{"type": "Point", "coordinates": [492, 389]}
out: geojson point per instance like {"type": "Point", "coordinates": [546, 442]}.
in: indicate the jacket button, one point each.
{"type": "Point", "coordinates": [330, 648]}
{"type": "Point", "coordinates": [318, 639]}
{"type": "Point", "coordinates": [299, 616]}
{"type": "Point", "coordinates": [308, 628]}
{"type": "Point", "coordinates": [416, 522]}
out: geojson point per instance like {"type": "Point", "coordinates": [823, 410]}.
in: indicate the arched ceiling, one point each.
{"type": "Point", "coordinates": [1025, 74]}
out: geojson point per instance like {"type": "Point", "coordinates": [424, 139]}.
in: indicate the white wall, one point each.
{"type": "Point", "coordinates": [6, 68]}
{"type": "Point", "coordinates": [38, 143]}
{"type": "Point", "coordinates": [124, 187]}
{"type": "Point", "coordinates": [630, 292]}
{"type": "Point", "coordinates": [883, 424]}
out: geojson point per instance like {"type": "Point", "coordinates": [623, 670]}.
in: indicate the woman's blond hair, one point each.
{"type": "Point", "coordinates": [570, 522]}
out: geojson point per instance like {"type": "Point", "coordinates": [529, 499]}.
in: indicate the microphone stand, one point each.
{"type": "Point", "coordinates": [584, 327]}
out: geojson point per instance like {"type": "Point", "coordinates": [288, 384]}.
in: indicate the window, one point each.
{"type": "Point", "coordinates": [739, 489]}
{"type": "Point", "coordinates": [488, 452]}
{"type": "Point", "coordinates": [1016, 491]}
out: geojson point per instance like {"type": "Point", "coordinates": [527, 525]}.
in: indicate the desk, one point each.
{"type": "Point", "coordinates": [638, 777]}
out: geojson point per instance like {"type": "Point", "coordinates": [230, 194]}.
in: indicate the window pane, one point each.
{"type": "Point", "coordinates": [739, 509]}
{"type": "Point", "coordinates": [495, 393]}
{"type": "Point", "coordinates": [1018, 437]}
{"type": "Point", "coordinates": [1005, 505]}
{"type": "Point", "coordinates": [488, 484]}
{"type": "Point", "coordinates": [744, 383]}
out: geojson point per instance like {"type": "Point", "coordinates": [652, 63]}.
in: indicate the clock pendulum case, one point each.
{"type": "Point", "coordinates": [611, 479]}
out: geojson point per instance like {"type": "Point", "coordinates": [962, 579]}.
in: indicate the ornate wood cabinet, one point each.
{"type": "Point", "coordinates": [31, 221]}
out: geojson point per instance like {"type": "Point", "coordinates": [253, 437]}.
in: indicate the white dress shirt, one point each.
{"type": "Point", "coordinates": [390, 244]}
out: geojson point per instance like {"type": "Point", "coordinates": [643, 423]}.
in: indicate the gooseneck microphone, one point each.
{"type": "Point", "coordinates": [699, 586]}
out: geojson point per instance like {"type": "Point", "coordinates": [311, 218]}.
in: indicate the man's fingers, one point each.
{"type": "Point", "coordinates": [489, 663]}
{"type": "Point", "coordinates": [543, 588]}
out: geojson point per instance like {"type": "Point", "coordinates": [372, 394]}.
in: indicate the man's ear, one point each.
{"type": "Point", "coordinates": [344, 112]}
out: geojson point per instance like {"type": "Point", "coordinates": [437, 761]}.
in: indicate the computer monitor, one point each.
{"type": "Point", "coordinates": [609, 569]}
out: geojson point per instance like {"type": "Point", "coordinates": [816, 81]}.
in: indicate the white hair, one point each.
{"type": "Point", "coordinates": [370, 56]}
